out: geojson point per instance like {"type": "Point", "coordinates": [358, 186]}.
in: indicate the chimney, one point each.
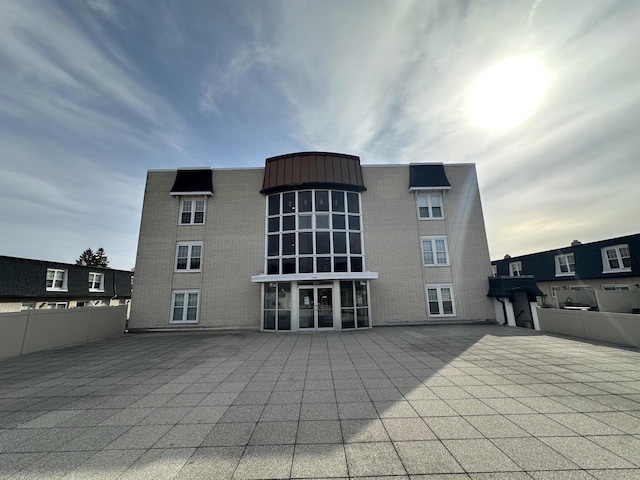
{"type": "Point", "coordinates": [576, 242]}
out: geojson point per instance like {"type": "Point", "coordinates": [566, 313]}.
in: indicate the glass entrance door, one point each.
{"type": "Point", "coordinates": [315, 307]}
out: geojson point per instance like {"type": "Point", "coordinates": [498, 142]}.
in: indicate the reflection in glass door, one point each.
{"type": "Point", "coordinates": [315, 307]}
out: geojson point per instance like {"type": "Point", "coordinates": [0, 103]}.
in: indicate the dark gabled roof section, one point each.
{"type": "Point", "coordinates": [508, 286]}
{"type": "Point", "coordinates": [428, 176]}
{"type": "Point", "coordinates": [189, 182]}
{"type": "Point", "coordinates": [297, 171]}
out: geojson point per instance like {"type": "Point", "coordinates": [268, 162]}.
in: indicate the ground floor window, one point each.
{"type": "Point", "coordinates": [28, 306]}
{"type": "Point", "coordinates": [184, 306]}
{"type": "Point", "coordinates": [440, 300]}
{"type": "Point", "coordinates": [614, 286]}
{"type": "Point", "coordinates": [56, 305]}
{"type": "Point", "coordinates": [315, 305]}
{"type": "Point", "coordinates": [277, 306]}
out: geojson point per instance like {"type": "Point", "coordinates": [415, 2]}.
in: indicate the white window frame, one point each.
{"type": "Point", "coordinates": [428, 197]}
{"type": "Point", "coordinates": [432, 241]}
{"type": "Point", "coordinates": [515, 269]}
{"type": "Point", "coordinates": [27, 306]}
{"type": "Point", "coordinates": [63, 273]}
{"type": "Point", "coordinates": [189, 257]}
{"type": "Point", "coordinates": [617, 249]}
{"type": "Point", "coordinates": [55, 305]}
{"type": "Point", "coordinates": [563, 260]}
{"type": "Point", "coordinates": [192, 210]}
{"type": "Point", "coordinates": [494, 270]}
{"type": "Point", "coordinates": [92, 282]}
{"type": "Point", "coordinates": [439, 287]}
{"type": "Point", "coordinates": [554, 290]}
{"type": "Point", "coordinates": [187, 294]}
{"type": "Point", "coordinates": [610, 287]}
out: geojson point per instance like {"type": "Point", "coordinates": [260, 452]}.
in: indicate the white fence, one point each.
{"type": "Point", "coordinates": [620, 328]}
{"type": "Point", "coordinates": [34, 330]}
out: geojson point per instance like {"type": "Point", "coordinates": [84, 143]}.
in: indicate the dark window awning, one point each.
{"type": "Point", "coordinates": [429, 176]}
{"type": "Point", "coordinates": [193, 182]}
{"type": "Point", "coordinates": [297, 171]}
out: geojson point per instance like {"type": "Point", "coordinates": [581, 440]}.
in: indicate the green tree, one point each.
{"type": "Point", "coordinates": [93, 259]}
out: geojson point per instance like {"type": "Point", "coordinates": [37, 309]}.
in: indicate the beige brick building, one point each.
{"type": "Point", "coordinates": [312, 241]}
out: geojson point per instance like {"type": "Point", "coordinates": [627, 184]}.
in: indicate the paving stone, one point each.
{"type": "Point", "coordinates": [395, 409]}
{"type": "Point", "coordinates": [319, 396]}
{"type": "Point", "coordinates": [403, 429]}
{"type": "Point", "coordinates": [139, 437]}
{"type": "Point", "coordinates": [426, 457]}
{"type": "Point", "coordinates": [51, 419]}
{"type": "Point", "coordinates": [321, 431]}
{"type": "Point", "coordinates": [159, 464]}
{"type": "Point", "coordinates": [208, 414]}
{"type": "Point", "coordinates": [95, 438]}
{"type": "Point", "coordinates": [53, 465]}
{"type": "Point", "coordinates": [105, 465]}
{"type": "Point", "coordinates": [585, 453]}
{"type": "Point", "coordinates": [452, 428]}
{"type": "Point", "coordinates": [432, 408]}
{"type": "Point", "coordinates": [372, 459]}
{"type": "Point", "coordinates": [479, 455]}
{"type": "Point", "coordinates": [531, 454]}
{"type": "Point", "coordinates": [229, 434]}
{"type": "Point", "coordinates": [583, 424]}
{"type": "Point", "coordinates": [266, 461]}
{"type": "Point", "coordinates": [184, 436]}
{"type": "Point", "coordinates": [495, 426]}
{"type": "Point", "coordinates": [625, 446]}
{"type": "Point", "coordinates": [540, 426]}
{"type": "Point", "coordinates": [370, 430]}
{"type": "Point", "coordinates": [46, 440]}
{"type": "Point", "coordinates": [319, 411]}
{"type": "Point", "coordinates": [319, 461]}
{"type": "Point", "coordinates": [353, 411]}
{"type": "Point", "coordinates": [274, 433]}
{"type": "Point", "coordinates": [126, 416]}
{"type": "Point", "coordinates": [13, 462]}
{"type": "Point", "coordinates": [166, 415]}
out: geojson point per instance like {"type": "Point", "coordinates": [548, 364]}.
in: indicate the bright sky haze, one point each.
{"type": "Point", "coordinates": [543, 95]}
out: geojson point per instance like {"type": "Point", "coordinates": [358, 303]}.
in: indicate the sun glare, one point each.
{"type": "Point", "coordinates": [507, 93]}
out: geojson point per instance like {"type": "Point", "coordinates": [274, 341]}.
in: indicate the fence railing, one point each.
{"type": "Point", "coordinates": [620, 328]}
{"type": "Point", "coordinates": [33, 330]}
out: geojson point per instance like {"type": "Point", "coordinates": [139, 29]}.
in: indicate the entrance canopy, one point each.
{"type": "Point", "coordinates": [509, 286]}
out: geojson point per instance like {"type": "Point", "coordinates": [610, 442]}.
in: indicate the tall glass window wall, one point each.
{"type": "Point", "coordinates": [314, 231]}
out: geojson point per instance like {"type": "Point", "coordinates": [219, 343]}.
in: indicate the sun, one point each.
{"type": "Point", "coordinates": [508, 93]}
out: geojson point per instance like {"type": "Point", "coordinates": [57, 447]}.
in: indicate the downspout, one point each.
{"type": "Point", "coordinates": [504, 311]}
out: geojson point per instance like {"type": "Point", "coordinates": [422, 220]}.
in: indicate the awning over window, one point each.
{"type": "Point", "coordinates": [193, 182]}
{"type": "Point", "coordinates": [429, 176]}
{"type": "Point", "coordinates": [297, 171]}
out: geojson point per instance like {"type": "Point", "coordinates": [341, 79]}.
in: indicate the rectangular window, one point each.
{"type": "Point", "coordinates": [56, 305]}
{"type": "Point", "coordinates": [494, 270]}
{"type": "Point", "coordinates": [616, 259]}
{"type": "Point", "coordinates": [184, 307]}
{"type": "Point", "coordinates": [96, 282]}
{"type": "Point", "coordinates": [28, 306]}
{"type": "Point", "coordinates": [611, 287]}
{"type": "Point", "coordinates": [565, 265]}
{"type": "Point", "coordinates": [430, 206]}
{"type": "Point", "coordinates": [56, 279]}
{"type": "Point", "coordinates": [188, 257]}
{"type": "Point", "coordinates": [192, 212]}
{"type": "Point", "coordinates": [440, 300]}
{"type": "Point", "coordinates": [434, 251]}
{"type": "Point", "coordinates": [515, 269]}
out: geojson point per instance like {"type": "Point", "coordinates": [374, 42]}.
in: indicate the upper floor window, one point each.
{"type": "Point", "coordinates": [440, 300]}
{"type": "Point", "coordinates": [56, 279]}
{"type": "Point", "coordinates": [96, 282]}
{"type": "Point", "coordinates": [188, 257]}
{"type": "Point", "coordinates": [616, 259]}
{"type": "Point", "coordinates": [314, 231]}
{"type": "Point", "coordinates": [434, 251]}
{"type": "Point", "coordinates": [192, 211]}
{"type": "Point", "coordinates": [184, 306]}
{"type": "Point", "coordinates": [430, 206]}
{"type": "Point", "coordinates": [515, 269]}
{"type": "Point", "coordinates": [565, 265]}
{"type": "Point", "coordinates": [494, 270]}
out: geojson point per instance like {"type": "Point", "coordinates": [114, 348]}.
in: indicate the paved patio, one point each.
{"type": "Point", "coordinates": [450, 402]}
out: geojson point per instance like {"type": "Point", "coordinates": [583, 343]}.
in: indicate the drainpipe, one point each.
{"type": "Point", "coordinates": [504, 311]}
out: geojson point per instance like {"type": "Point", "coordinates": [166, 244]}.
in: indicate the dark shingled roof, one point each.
{"type": "Point", "coordinates": [507, 286]}
{"type": "Point", "coordinates": [193, 181]}
{"type": "Point", "coordinates": [427, 176]}
{"type": "Point", "coordinates": [297, 171]}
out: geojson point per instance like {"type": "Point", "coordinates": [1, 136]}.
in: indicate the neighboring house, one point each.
{"type": "Point", "coordinates": [27, 284]}
{"type": "Point", "coordinates": [312, 241]}
{"type": "Point", "coordinates": [582, 275]}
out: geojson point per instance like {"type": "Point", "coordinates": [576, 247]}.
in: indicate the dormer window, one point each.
{"type": "Point", "coordinates": [515, 269]}
{"type": "Point", "coordinates": [56, 280]}
{"type": "Point", "coordinates": [96, 282]}
{"type": "Point", "coordinates": [616, 258]}
{"type": "Point", "coordinates": [565, 265]}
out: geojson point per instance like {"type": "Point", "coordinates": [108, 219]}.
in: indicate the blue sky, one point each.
{"type": "Point", "coordinates": [94, 93]}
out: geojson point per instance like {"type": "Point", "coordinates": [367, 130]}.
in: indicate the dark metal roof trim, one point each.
{"type": "Point", "coordinates": [298, 171]}
{"type": "Point", "coordinates": [428, 176]}
{"type": "Point", "coordinates": [193, 182]}
{"type": "Point", "coordinates": [508, 286]}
